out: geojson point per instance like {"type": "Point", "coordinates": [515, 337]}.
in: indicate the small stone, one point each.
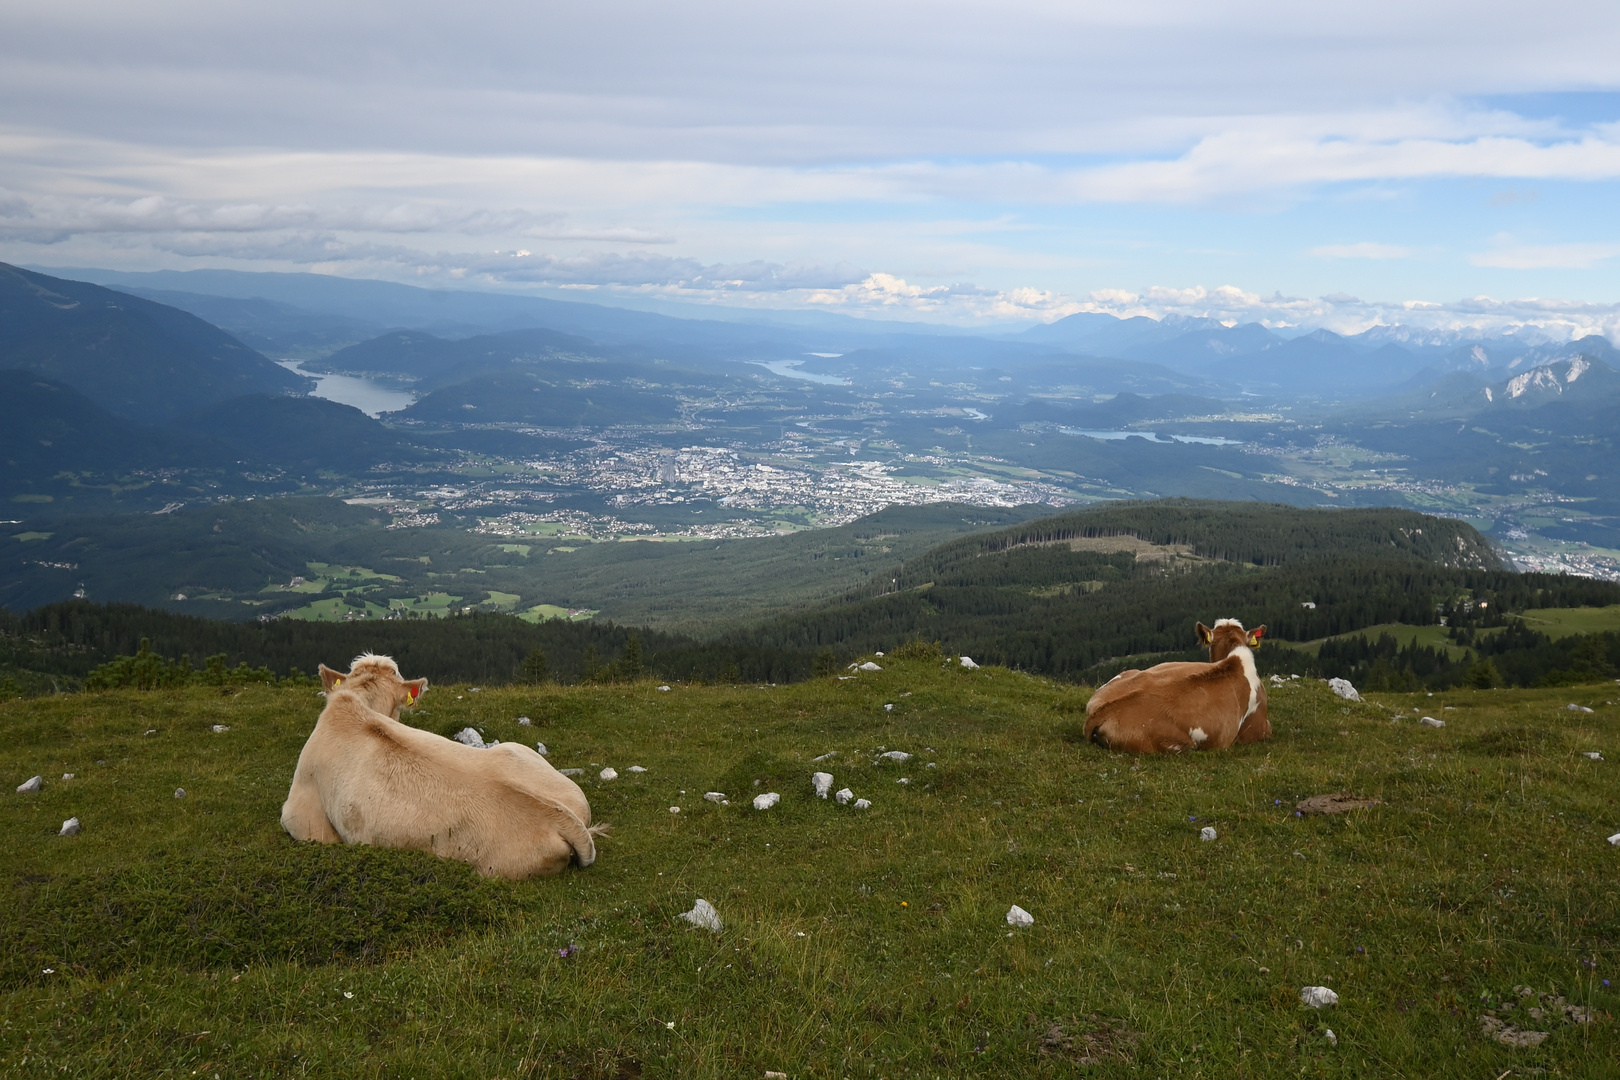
{"type": "Point", "coordinates": [573, 772]}
{"type": "Point", "coordinates": [1615, 839]}
{"type": "Point", "coordinates": [1333, 1040]}
{"type": "Point", "coordinates": [933, 765]}
{"type": "Point", "coordinates": [67, 776]}
{"type": "Point", "coordinates": [1572, 707]}
{"type": "Point", "coordinates": [70, 827]}
{"type": "Point", "coordinates": [824, 757]}
{"type": "Point", "coordinates": [703, 916]}
{"type": "Point", "coordinates": [869, 666]}
{"type": "Point", "coordinates": [1343, 688]}
{"type": "Point", "coordinates": [863, 804]}
{"type": "Point", "coordinates": [609, 773]}
{"type": "Point", "coordinates": [541, 748]}
{"type": "Point", "coordinates": [1590, 755]}
{"type": "Point", "coordinates": [31, 785]}
{"type": "Point", "coordinates": [1017, 916]}
{"type": "Point", "coordinates": [843, 795]}
{"type": "Point", "coordinates": [1206, 833]}
{"type": "Point", "coordinates": [468, 737]}
{"type": "Point", "coordinates": [524, 721]}
{"type": "Point", "coordinates": [766, 801]}
{"type": "Point", "coordinates": [1318, 996]}
{"type": "Point", "coordinates": [674, 809]}
{"type": "Point", "coordinates": [664, 689]}
{"type": "Point", "coordinates": [823, 782]}
{"type": "Point", "coordinates": [898, 756]}
{"type": "Point", "coordinates": [888, 708]}
{"type": "Point", "coordinates": [772, 1074]}
{"type": "Point", "coordinates": [220, 729]}
{"type": "Point", "coordinates": [714, 796]}
{"type": "Point", "coordinates": [179, 792]}
{"type": "Point", "coordinates": [1429, 721]}
{"type": "Point", "coordinates": [967, 662]}
{"type": "Point", "coordinates": [636, 769]}
{"type": "Point", "coordinates": [904, 780]}
{"type": "Point", "coordinates": [153, 730]}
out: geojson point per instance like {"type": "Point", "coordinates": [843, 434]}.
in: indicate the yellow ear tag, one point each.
{"type": "Point", "coordinates": [338, 681]}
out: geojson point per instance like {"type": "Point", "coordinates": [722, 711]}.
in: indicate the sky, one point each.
{"type": "Point", "coordinates": [1434, 163]}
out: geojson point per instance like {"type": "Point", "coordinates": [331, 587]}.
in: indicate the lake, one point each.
{"type": "Point", "coordinates": [368, 395]}
{"type": "Point", "coordinates": [1151, 437]}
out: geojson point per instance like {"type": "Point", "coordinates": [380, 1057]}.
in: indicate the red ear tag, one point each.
{"type": "Point", "coordinates": [414, 691]}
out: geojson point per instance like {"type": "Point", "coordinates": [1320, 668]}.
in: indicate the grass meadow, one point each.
{"type": "Point", "coordinates": [189, 937]}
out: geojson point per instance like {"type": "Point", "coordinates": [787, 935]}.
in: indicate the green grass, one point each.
{"type": "Point", "coordinates": [1405, 634]}
{"type": "Point", "coordinates": [1485, 869]}
{"type": "Point", "coordinates": [1563, 622]}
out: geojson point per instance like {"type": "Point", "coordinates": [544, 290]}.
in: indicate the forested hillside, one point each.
{"type": "Point", "coordinates": [1065, 594]}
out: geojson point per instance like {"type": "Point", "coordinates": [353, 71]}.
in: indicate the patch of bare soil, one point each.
{"type": "Point", "coordinates": [1334, 804]}
{"type": "Point", "coordinates": [1090, 1041]}
{"type": "Point", "coordinates": [1509, 1022]}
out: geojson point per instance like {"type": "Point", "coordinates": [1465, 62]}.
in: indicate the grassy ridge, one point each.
{"type": "Point", "coordinates": [1485, 869]}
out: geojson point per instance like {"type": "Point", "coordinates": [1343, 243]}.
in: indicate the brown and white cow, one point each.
{"type": "Point", "coordinates": [1186, 706]}
{"type": "Point", "coordinates": [365, 778]}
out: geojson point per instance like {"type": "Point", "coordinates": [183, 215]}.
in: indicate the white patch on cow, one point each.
{"type": "Point", "coordinates": [1245, 656]}
{"type": "Point", "coordinates": [1228, 622]}
{"type": "Point", "coordinates": [1198, 736]}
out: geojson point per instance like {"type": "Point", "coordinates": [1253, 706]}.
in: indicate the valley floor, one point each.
{"type": "Point", "coordinates": [189, 936]}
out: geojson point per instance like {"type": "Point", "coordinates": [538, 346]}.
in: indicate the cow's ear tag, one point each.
{"type": "Point", "coordinates": [413, 691]}
{"type": "Point", "coordinates": [338, 681]}
{"type": "Point", "coordinates": [1254, 637]}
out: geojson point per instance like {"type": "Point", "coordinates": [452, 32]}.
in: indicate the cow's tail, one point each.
{"type": "Point", "coordinates": [580, 837]}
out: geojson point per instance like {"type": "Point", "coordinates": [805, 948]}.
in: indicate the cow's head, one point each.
{"type": "Point", "coordinates": [376, 680]}
{"type": "Point", "coordinates": [1228, 635]}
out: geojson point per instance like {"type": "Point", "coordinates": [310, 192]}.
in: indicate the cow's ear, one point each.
{"type": "Point", "coordinates": [330, 679]}
{"type": "Point", "coordinates": [1205, 634]}
{"type": "Point", "coordinates": [1255, 635]}
{"type": "Point", "coordinates": [415, 688]}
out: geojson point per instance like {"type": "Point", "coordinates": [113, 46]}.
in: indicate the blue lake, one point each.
{"type": "Point", "coordinates": [368, 395]}
{"type": "Point", "coordinates": [1152, 437]}
{"type": "Point", "coordinates": [789, 369]}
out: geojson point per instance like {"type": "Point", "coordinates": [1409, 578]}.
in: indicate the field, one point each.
{"type": "Point", "coordinates": [1435, 637]}
{"type": "Point", "coordinates": [1562, 622]}
{"type": "Point", "coordinates": [189, 936]}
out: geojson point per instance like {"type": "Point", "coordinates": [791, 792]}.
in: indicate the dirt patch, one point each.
{"type": "Point", "coordinates": [1088, 1042]}
{"type": "Point", "coordinates": [1335, 804]}
{"type": "Point", "coordinates": [1144, 550]}
{"type": "Point", "coordinates": [1507, 1022]}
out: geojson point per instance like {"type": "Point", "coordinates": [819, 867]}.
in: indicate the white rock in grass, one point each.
{"type": "Point", "coordinates": [1615, 839]}
{"type": "Point", "coordinates": [1017, 916]}
{"type": "Point", "coordinates": [823, 782]}
{"type": "Point", "coordinates": [843, 796]}
{"type": "Point", "coordinates": [1333, 1040]}
{"type": "Point", "coordinates": [31, 785]}
{"type": "Point", "coordinates": [70, 827]}
{"type": "Point", "coordinates": [863, 804]}
{"type": "Point", "coordinates": [1318, 996]}
{"type": "Point", "coordinates": [967, 662]}
{"type": "Point", "coordinates": [541, 747]}
{"type": "Point", "coordinates": [179, 792]}
{"type": "Point", "coordinates": [635, 768]}
{"type": "Point", "coordinates": [1206, 833]}
{"type": "Point", "coordinates": [572, 772]}
{"type": "Point", "coordinates": [609, 773]}
{"type": "Point", "coordinates": [703, 916]}
{"type": "Point", "coordinates": [1572, 707]}
{"type": "Point", "coordinates": [766, 801]}
{"type": "Point", "coordinates": [1590, 755]}
{"type": "Point", "coordinates": [1343, 688]}
{"type": "Point", "coordinates": [888, 708]}
{"type": "Point", "coordinates": [69, 776]}
{"type": "Point", "coordinates": [899, 756]}
{"type": "Point", "coordinates": [1429, 721]}
{"type": "Point", "coordinates": [715, 797]}
{"type": "Point", "coordinates": [665, 689]}
{"type": "Point", "coordinates": [524, 721]}
{"type": "Point", "coordinates": [220, 729]}
{"type": "Point", "coordinates": [468, 737]}
{"type": "Point", "coordinates": [824, 757]}
{"type": "Point", "coordinates": [674, 809]}
{"type": "Point", "coordinates": [869, 666]}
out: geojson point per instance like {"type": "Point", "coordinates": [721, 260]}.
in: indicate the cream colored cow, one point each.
{"type": "Point", "coordinates": [365, 778]}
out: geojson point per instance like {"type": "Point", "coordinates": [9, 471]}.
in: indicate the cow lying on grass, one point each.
{"type": "Point", "coordinates": [1174, 707]}
{"type": "Point", "coordinates": [365, 778]}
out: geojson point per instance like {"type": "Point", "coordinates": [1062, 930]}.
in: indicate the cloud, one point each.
{"type": "Point", "coordinates": [1363, 250]}
{"type": "Point", "coordinates": [1580, 256]}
